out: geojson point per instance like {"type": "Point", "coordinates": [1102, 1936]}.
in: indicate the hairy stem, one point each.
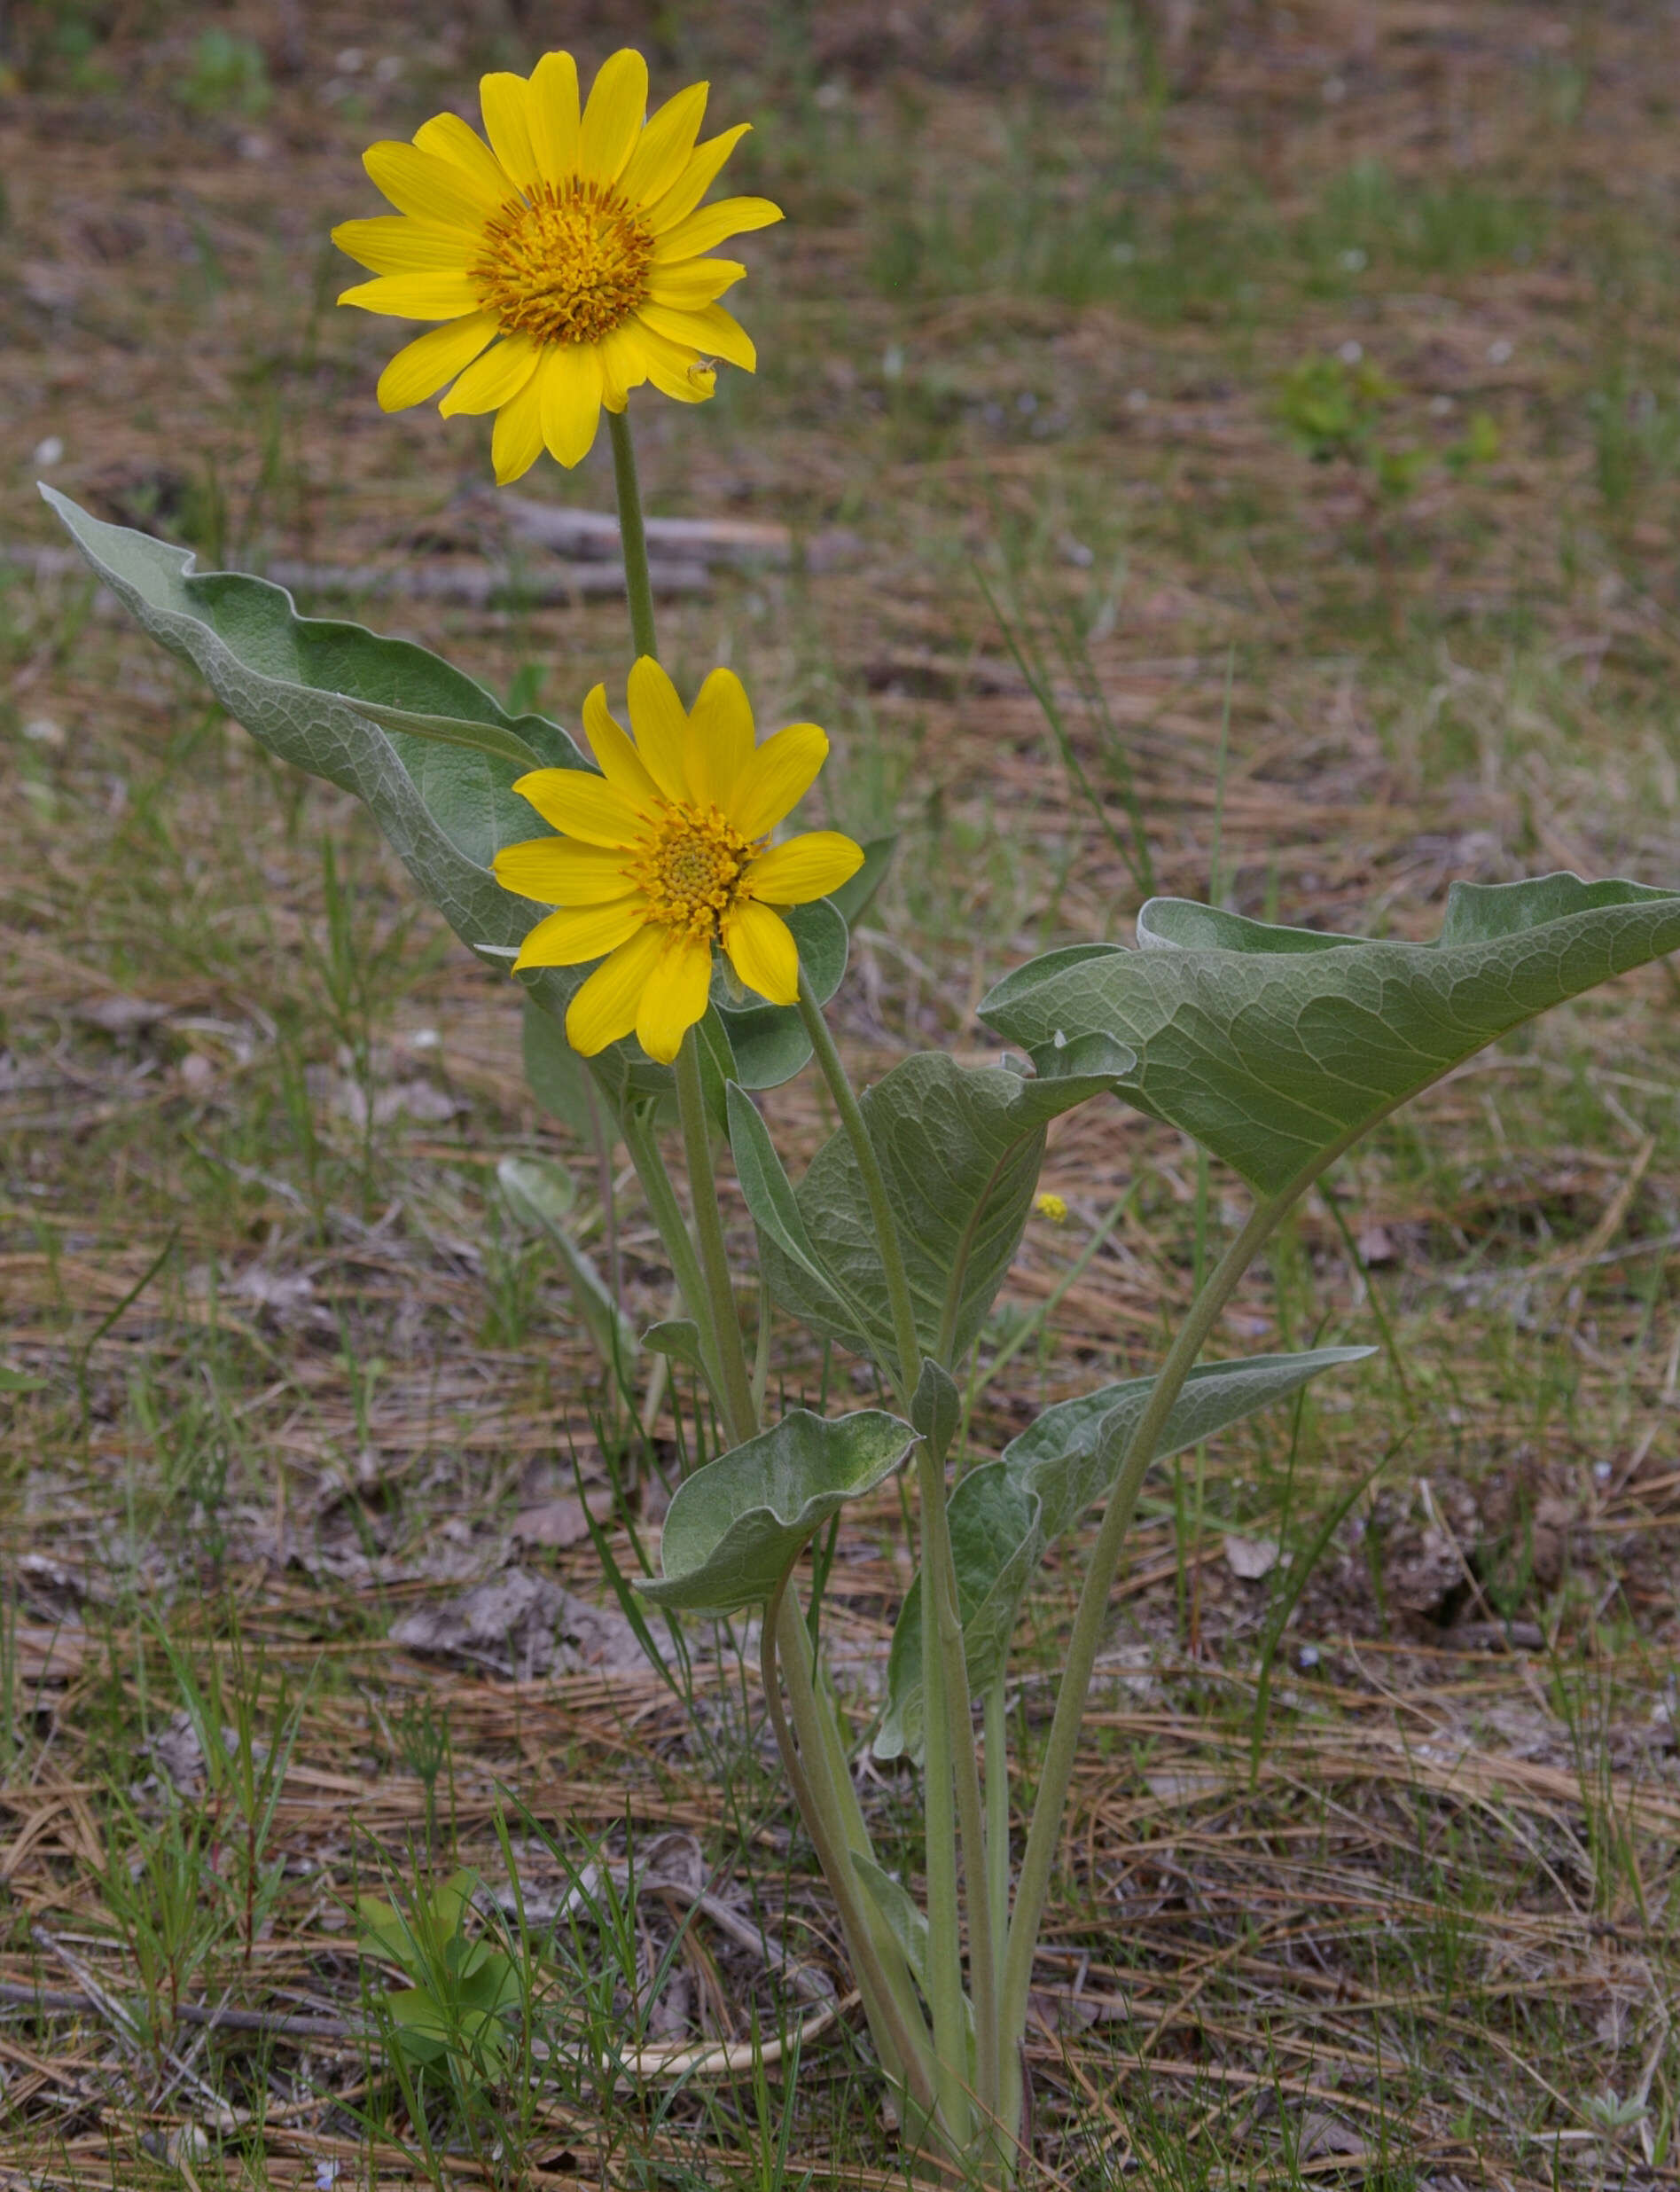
{"type": "Point", "coordinates": [738, 1412]}
{"type": "Point", "coordinates": [632, 534]}
{"type": "Point", "coordinates": [998, 1808]}
{"type": "Point", "coordinates": [944, 1937]}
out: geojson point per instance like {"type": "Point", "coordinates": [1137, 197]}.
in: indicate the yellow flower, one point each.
{"type": "Point", "coordinates": [574, 237]}
{"type": "Point", "coordinates": [1052, 1207]}
{"type": "Point", "coordinates": [668, 854]}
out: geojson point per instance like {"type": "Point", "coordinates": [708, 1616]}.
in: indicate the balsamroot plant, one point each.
{"type": "Point", "coordinates": [677, 953]}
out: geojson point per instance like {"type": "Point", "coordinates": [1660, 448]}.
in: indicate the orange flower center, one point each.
{"type": "Point", "coordinates": [569, 266]}
{"type": "Point", "coordinates": [691, 869]}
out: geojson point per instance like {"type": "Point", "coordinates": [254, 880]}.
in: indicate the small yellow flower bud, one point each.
{"type": "Point", "coordinates": [1052, 1207]}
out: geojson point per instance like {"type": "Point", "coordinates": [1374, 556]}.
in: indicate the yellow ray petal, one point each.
{"type": "Point", "coordinates": [583, 806]}
{"type": "Point", "coordinates": [517, 442]}
{"type": "Point", "coordinates": [552, 113]}
{"type": "Point", "coordinates": [395, 244]}
{"type": "Point", "coordinates": [415, 296]}
{"type": "Point", "coordinates": [701, 231]}
{"type": "Point", "coordinates": [660, 724]}
{"type": "Point", "coordinates": [674, 995]}
{"type": "Point", "coordinates": [710, 329]}
{"type": "Point", "coordinates": [663, 148]}
{"type": "Point", "coordinates": [605, 1009]}
{"type": "Point", "coordinates": [720, 738]}
{"type": "Point", "coordinates": [762, 952]}
{"type": "Point", "coordinates": [674, 368]}
{"type": "Point", "coordinates": [495, 380]}
{"type": "Point", "coordinates": [422, 366]}
{"type": "Point", "coordinates": [578, 933]}
{"type": "Point", "coordinates": [776, 778]}
{"type": "Point", "coordinates": [429, 188]}
{"type": "Point", "coordinates": [696, 282]}
{"type": "Point", "coordinates": [569, 380]}
{"type": "Point", "coordinates": [453, 139]}
{"type": "Point", "coordinates": [611, 747]}
{"type": "Point", "coordinates": [695, 180]}
{"type": "Point", "coordinates": [613, 119]}
{"type": "Point", "coordinates": [504, 100]}
{"type": "Point", "coordinates": [804, 868]}
{"type": "Point", "coordinates": [622, 367]}
{"type": "Point", "coordinates": [555, 872]}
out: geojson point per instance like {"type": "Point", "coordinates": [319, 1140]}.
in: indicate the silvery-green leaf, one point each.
{"type": "Point", "coordinates": [736, 1526]}
{"type": "Point", "coordinates": [936, 1407]}
{"type": "Point", "coordinates": [960, 1147]}
{"type": "Point", "coordinates": [540, 1191]}
{"type": "Point", "coordinates": [1276, 1046]}
{"type": "Point", "coordinates": [679, 1337]}
{"type": "Point", "coordinates": [297, 684]}
{"type": "Point", "coordinates": [1006, 1515]}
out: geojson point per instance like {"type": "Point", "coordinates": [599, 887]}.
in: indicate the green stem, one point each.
{"type": "Point", "coordinates": [881, 1210]}
{"type": "Point", "coordinates": [740, 1413]}
{"type": "Point", "coordinates": [1056, 1771]}
{"type": "Point", "coordinates": [998, 1807]}
{"type": "Point", "coordinates": [944, 1938]}
{"type": "Point", "coordinates": [632, 534]}
{"type": "Point", "coordinates": [782, 1638]}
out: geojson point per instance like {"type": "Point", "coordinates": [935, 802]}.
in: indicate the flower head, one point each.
{"type": "Point", "coordinates": [566, 257]}
{"type": "Point", "coordinates": [667, 853]}
{"type": "Point", "coordinates": [1051, 1206]}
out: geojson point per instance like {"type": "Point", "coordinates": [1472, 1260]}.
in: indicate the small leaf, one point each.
{"type": "Point", "coordinates": [1276, 1047]}
{"type": "Point", "coordinates": [20, 1381]}
{"type": "Point", "coordinates": [736, 1526]}
{"type": "Point", "coordinates": [936, 1407]}
{"type": "Point", "coordinates": [679, 1337]}
{"type": "Point", "coordinates": [1006, 1515]}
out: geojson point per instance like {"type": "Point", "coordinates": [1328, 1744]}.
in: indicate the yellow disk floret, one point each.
{"type": "Point", "coordinates": [667, 854]}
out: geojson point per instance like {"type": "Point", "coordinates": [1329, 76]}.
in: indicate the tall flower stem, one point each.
{"type": "Point", "coordinates": [632, 534]}
{"type": "Point", "coordinates": [740, 1413]}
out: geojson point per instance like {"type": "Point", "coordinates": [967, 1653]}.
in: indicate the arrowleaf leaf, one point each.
{"type": "Point", "coordinates": [736, 1526]}
{"type": "Point", "coordinates": [1006, 1515]}
{"type": "Point", "coordinates": [1278, 1047]}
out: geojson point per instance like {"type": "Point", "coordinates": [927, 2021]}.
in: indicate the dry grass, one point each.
{"type": "Point", "coordinates": [1029, 316]}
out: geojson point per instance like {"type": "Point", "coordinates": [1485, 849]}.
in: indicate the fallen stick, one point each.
{"type": "Point", "coordinates": [480, 586]}
{"type": "Point", "coordinates": [195, 2012]}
